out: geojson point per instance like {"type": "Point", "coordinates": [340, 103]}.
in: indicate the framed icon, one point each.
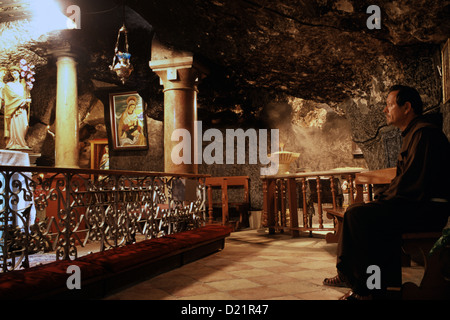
{"type": "Point", "coordinates": [128, 123]}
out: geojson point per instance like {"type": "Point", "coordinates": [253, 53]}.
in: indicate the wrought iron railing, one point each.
{"type": "Point", "coordinates": [59, 210]}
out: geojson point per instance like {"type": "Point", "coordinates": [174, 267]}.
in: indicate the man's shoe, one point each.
{"type": "Point", "coordinates": [336, 281]}
{"type": "Point", "coordinates": [351, 295]}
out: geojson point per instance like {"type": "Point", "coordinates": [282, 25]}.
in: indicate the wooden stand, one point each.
{"type": "Point", "coordinates": [223, 182]}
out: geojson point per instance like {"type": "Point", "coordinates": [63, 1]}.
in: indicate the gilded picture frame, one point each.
{"type": "Point", "coordinates": [128, 123]}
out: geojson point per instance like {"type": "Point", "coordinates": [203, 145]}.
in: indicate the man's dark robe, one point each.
{"type": "Point", "coordinates": [416, 200]}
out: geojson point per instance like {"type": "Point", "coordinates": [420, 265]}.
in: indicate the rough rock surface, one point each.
{"type": "Point", "coordinates": [259, 52]}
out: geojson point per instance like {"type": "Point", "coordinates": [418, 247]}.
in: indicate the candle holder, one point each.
{"type": "Point", "coordinates": [285, 158]}
{"type": "Point", "coordinates": [121, 64]}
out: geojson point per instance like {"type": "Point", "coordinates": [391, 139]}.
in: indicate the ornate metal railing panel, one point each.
{"type": "Point", "coordinates": [60, 210]}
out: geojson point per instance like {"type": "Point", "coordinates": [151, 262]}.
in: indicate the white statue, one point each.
{"type": "Point", "coordinates": [17, 99]}
{"type": "Point", "coordinates": [3, 72]}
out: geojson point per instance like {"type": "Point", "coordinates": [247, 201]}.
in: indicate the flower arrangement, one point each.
{"type": "Point", "coordinates": [27, 73]}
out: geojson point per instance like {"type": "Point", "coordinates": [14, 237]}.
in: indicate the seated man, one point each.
{"type": "Point", "coordinates": [418, 199]}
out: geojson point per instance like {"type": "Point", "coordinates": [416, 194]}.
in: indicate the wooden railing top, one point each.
{"type": "Point", "coordinates": [382, 176]}
{"type": "Point", "coordinates": [99, 171]}
{"type": "Point", "coordinates": [231, 180]}
{"type": "Point", "coordinates": [316, 173]}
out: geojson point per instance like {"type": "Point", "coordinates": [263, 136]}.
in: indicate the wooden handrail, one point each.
{"type": "Point", "coordinates": [381, 176]}
{"type": "Point", "coordinates": [308, 174]}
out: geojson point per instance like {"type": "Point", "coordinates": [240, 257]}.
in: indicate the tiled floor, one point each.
{"type": "Point", "coordinates": [253, 266]}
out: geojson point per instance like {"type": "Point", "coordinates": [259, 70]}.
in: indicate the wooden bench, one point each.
{"type": "Point", "coordinates": [433, 284]}
{"type": "Point", "coordinates": [223, 183]}
{"type": "Point", "coordinates": [103, 273]}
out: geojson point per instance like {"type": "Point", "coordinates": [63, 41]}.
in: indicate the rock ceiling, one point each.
{"type": "Point", "coordinates": [318, 50]}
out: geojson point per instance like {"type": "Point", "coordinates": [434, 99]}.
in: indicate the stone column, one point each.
{"type": "Point", "coordinates": [179, 77]}
{"type": "Point", "coordinates": [66, 123]}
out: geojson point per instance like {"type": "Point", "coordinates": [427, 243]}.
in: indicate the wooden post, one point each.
{"type": "Point", "coordinates": [305, 209]}
{"type": "Point", "coordinates": [225, 217]}
{"type": "Point", "coordinates": [292, 194]}
{"type": "Point", "coordinates": [268, 203]}
{"type": "Point", "coordinates": [351, 198]}
{"type": "Point", "coordinates": [282, 203]}
{"type": "Point", "coordinates": [210, 204]}
{"type": "Point", "coordinates": [319, 202]}
{"type": "Point", "coordinates": [333, 192]}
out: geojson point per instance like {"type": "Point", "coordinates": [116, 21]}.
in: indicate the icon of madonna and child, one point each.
{"type": "Point", "coordinates": [128, 122]}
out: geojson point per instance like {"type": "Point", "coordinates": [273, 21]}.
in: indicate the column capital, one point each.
{"type": "Point", "coordinates": [185, 70]}
{"type": "Point", "coordinates": [65, 49]}
{"type": "Point", "coordinates": [176, 62]}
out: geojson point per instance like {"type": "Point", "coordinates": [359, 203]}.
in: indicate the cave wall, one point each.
{"type": "Point", "coordinates": [319, 134]}
{"type": "Point", "coordinates": [323, 135]}
{"type": "Point", "coordinates": [416, 67]}
{"type": "Point", "coordinates": [446, 121]}
{"type": "Point", "coordinates": [148, 160]}
{"type": "Point", "coordinates": [322, 132]}
{"type": "Point", "coordinates": [316, 131]}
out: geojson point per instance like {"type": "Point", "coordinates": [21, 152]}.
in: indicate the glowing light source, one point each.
{"type": "Point", "coordinates": [46, 16]}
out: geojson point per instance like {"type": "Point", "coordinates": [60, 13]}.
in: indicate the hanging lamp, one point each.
{"type": "Point", "coordinates": [121, 62]}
